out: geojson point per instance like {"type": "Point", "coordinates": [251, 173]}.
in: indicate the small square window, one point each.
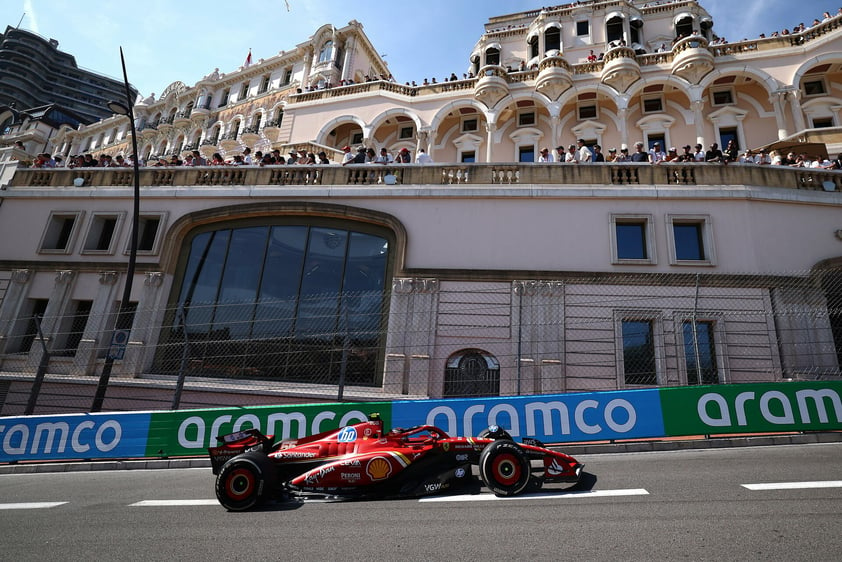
{"type": "Point", "coordinates": [58, 236]}
{"type": "Point", "coordinates": [149, 230]}
{"type": "Point", "coordinates": [822, 122]}
{"type": "Point", "coordinates": [102, 233]}
{"type": "Point", "coordinates": [652, 105]}
{"type": "Point", "coordinates": [406, 132]}
{"type": "Point", "coordinates": [357, 138]}
{"type": "Point", "coordinates": [470, 125]}
{"type": "Point", "coordinates": [583, 28]}
{"type": "Point", "coordinates": [587, 111]}
{"type": "Point", "coordinates": [526, 153]}
{"type": "Point", "coordinates": [814, 88]}
{"type": "Point", "coordinates": [526, 119]}
{"type": "Point", "coordinates": [244, 91]}
{"type": "Point", "coordinates": [723, 97]}
{"type": "Point", "coordinates": [690, 240]}
{"type": "Point", "coordinates": [468, 156]}
{"type": "Point", "coordinates": [632, 239]}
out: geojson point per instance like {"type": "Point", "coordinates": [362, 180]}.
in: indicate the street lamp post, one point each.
{"type": "Point", "coordinates": [123, 325]}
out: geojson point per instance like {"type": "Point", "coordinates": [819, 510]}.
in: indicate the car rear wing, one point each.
{"type": "Point", "coordinates": [237, 443]}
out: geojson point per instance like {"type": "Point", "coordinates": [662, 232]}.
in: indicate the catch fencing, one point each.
{"type": "Point", "coordinates": [433, 338]}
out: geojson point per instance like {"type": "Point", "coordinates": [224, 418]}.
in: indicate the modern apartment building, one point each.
{"type": "Point", "coordinates": [35, 73]}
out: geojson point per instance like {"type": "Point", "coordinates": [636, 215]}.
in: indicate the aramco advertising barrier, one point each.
{"type": "Point", "coordinates": [555, 418]}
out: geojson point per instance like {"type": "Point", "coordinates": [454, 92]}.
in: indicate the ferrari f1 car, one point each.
{"type": "Point", "coordinates": [365, 461]}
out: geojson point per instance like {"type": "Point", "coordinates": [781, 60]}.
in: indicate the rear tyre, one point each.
{"type": "Point", "coordinates": [245, 481]}
{"type": "Point", "coordinates": [504, 468]}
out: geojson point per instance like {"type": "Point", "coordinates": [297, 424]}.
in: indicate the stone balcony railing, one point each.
{"type": "Point", "coordinates": [512, 174]}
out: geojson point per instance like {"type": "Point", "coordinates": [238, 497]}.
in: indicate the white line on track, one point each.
{"type": "Point", "coordinates": [170, 503]}
{"type": "Point", "coordinates": [30, 505]}
{"type": "Point", "coordinates": [539, 496]}
{"type": "Point", "coordinates": [794, 485]}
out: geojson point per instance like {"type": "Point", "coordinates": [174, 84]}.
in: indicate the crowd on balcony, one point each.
{"type": "Point", "coordinates": [580, 153]}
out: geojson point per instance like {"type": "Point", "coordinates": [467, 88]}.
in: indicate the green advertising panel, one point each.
{"type": "Point", "coordinates": [191, 432]}
{"type": "Point", "coordinates": [752, 408]}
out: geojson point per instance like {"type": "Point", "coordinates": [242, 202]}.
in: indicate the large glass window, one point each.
{"type": "Point", "coordinates": [292, 302]}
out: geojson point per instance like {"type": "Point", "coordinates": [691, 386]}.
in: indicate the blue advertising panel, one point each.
{"type": "Point", "coordinates": [74, 436]}
{"type": "Point", "coordinates": [553, 418]}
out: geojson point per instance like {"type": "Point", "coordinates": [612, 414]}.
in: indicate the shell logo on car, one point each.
{"type": "Point", "coordinates": [378, 468]}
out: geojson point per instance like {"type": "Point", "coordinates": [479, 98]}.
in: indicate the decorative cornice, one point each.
{"type": "Point", "coordinates": [108, 277]}
{"type": "Point", "coordinates": [406, 286]}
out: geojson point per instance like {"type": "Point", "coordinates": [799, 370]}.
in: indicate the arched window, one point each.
{"type": "Point", "coordinates": [684, 27]}
{"type": "Point", "coordinates": [614, 29]}
{"type": "Point", "coordinates": [294, 300]}
{"type": "Point", "coordinates": [492, 56]}
{"type": "Point", "coordinates": [472, 372]}
{"type": "Point", "coordinates": [533, 46]}
{"type": "Point", "coordinates": [326, 51]}
{"type": "Point", "coordinates": [552, 39]}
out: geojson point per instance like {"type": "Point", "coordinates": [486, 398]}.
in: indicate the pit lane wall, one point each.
{"type": "Point", "coordinates": [555, 418]}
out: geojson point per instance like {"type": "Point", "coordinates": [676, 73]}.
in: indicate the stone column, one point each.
{"type": "Point", "coordinates": [411, 337]}
{"type": "Point", "coordinates": [52, 315]}
{"type": "Point", "coordinates": [777, 100]}
{"type": "Point", "coordinates": [491, 128]}
{"type": "Point", "coordinates": [794, 96]}
{"type": "Point", "coordinates": [537, 337]}
{"type": "Point", "coordinates": [12, 304]}
{"type": "Point", "coordinates": [622, 117]}
{"type": "Point", "coordinates": [100, 321]}
{"type": "Point", "coordinates": [146, 327]}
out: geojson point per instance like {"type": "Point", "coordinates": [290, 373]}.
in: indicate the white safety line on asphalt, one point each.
{"type": "Point", "coordinates": [30, 505]}
{"type": "Point", "coordinates": [170, 503]}
{"type": "Point", "coordinates": [793, 485]}
{"type": "Point", "coordinates": [539, 496]}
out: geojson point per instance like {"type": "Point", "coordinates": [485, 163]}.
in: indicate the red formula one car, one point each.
{"type": "Point", "coordinates": [364, 461]}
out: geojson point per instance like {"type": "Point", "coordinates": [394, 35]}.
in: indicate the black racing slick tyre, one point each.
{"type": "Point", "coordinates": [245, 481]}
{"type": "Point", "coordinates": [504, 468]}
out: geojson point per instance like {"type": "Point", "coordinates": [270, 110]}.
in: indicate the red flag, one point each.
{"type": "Point", "coordinates": [248, 59]}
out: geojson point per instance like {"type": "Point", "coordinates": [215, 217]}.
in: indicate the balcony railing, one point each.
{"type": "Point", "coordinates": [529, 176]}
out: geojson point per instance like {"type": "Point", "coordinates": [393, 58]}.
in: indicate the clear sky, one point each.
{"type": "Point", "coordinates": [169, 40]}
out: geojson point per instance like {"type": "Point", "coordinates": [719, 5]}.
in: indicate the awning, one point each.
{"type": "Point", "coordinates": [809, 148]}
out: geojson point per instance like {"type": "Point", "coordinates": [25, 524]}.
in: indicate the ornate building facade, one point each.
{"type": "Point", "coordinates": [484, 273]}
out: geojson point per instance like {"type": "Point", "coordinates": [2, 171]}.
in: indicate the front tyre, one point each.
{"type": "Point", "coordinates": [245, 481]}
{"type": "Point", "coordinates": [504, 468]}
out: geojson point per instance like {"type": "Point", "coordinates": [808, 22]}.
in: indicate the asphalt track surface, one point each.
{"type": "Point", "coordinates": [752, 503]}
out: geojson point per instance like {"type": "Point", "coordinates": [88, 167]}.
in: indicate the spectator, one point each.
{"type": "Point", "coordinates": [699, 153]}
{"type": "Point", "coordinates": [570, 157]}
{"type": "Point", "coordinates": [559, 154]}
{"type": "Point", "coordinates": [775, 158]}
{"type": "Point", "coordinates": [672, 156]}
{"type": "Point", "coordinates": [656, 155]}
{"type": "Point", "coordinates": [323, 158]}
{"type": "Point", "coordinates": [198, 160]}
{"type": "Point", "coordinates": [639, 155]}
{"type": "Point", "coordinates": [404, 157]}
{"type": "Point", "coordinates": [598, 156]}
{"type": "Point", "coordinates": [217, 160]}
{"type": "Point", "coordinates": [713, 154]}
{"type": "Point", "coordinates": [624, 155]}
{"type": "Point", "coordinates": [731, 153]}
{"type": "Point", "coordinates": [544, 155]}
{"type": "Point", "coordinates": [835, 164]}
{"type": "Point", "coordinates": [347, 158]}
{"type": "Point", "coordinates": [612, 155]}
{"type": "Point", "coordinates": [423, 157]}
{"type": "Point", "coordinates": [384, 157]}
{"type": "Point", "coordinates": [584, 155]}
{"type": "Point", "coordinates": [687, 155]}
